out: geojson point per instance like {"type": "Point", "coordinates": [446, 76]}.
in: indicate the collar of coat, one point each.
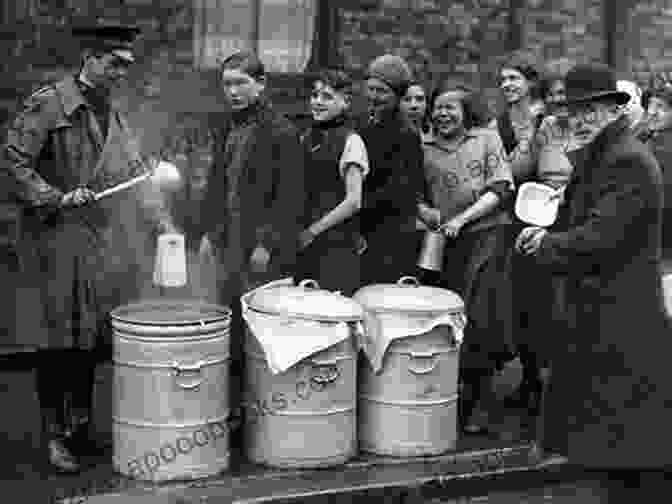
{"type": "Point", "coordinates": [654, 134]}
{"type": "Point", "coordinates": [71, 96]}
{"type": "Point", "coordinates": [253, 113]}
{"type": "Point", "coordinates": [609, 135]}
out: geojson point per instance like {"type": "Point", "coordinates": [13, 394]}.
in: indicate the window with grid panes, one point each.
{"type": "Point", "coordinates": [290, 36]}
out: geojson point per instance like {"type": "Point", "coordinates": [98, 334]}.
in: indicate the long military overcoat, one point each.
{"type": "Point", "coordinates": [53, 146]}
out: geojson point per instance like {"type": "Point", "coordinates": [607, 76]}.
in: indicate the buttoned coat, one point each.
{"type": "Point", "coordinates": [609, 402]}
{"type": "Point", "coordinates": [53, 146]}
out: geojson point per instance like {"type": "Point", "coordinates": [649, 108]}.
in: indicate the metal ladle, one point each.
{"type": "Point", "coordinates": [163, 173]}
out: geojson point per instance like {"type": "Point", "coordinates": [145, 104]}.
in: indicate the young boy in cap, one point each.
{"type": "Point", "coordinates": [392, 189]}
{"type": "Point", "coordinates": [607, 406]}
{"type": "Point", "coordinates": [54, 154]}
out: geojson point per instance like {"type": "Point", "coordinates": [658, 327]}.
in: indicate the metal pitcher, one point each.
{"type": "Point", "coordinates": [431, 255]}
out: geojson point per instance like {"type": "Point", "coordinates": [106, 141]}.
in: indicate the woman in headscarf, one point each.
{"type": "Point", "coordinates": [395, 182]}
{"type": "Point", "coordinates": [633, 109]}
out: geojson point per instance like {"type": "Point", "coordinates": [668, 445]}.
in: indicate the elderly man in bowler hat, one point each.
{"type": "Point", "coordinates": [608, 403]}
{"type": "Point", "coordinates": [67, 143]}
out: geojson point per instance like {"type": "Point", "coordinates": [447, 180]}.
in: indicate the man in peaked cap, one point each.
{"type": "Point", "coordinates": [117, 39]}
{"type": "Point", "coordinates": [608, 402]}
{"type": "Point", "coordinates": [54, 153]}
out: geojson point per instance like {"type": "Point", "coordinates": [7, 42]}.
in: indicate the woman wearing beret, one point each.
{"type": "Point", "coordinates": [395, 181]}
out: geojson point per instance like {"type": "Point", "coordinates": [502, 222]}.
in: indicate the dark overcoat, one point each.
{"type": "Point", "coordinates": [609, 402]}
{"type": "Point", "coordinates": [254, 196]}
{"type": "Point", "coordinates": [391, 192]}
{"type": "Point", "coordinates": [54, 145]}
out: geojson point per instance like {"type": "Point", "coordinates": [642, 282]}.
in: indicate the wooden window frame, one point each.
{"type": "Point", "coordinates": [324, 52]}
{"type": "Point", "coordinates": [617, 31]}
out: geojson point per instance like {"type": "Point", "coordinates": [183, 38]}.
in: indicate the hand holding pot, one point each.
{"type": "Point", "coordinates": [430, 216]}
{"type": "Point", "coordinates": [453, 227]}
{"type": "Point", "coordinates": [529, 240]}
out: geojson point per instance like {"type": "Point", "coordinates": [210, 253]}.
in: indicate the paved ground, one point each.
{"type": "Point", "coordinates": [23, 472]}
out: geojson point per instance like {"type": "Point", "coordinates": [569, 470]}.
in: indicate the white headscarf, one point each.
{"type": "Point", "coordinates": [633, 109]}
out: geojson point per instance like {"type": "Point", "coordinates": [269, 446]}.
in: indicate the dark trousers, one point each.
{"type": "Point", "coordinates": [533, 303]}
{"type": "Point", "coordinates": [65, 389]}
{"type": "Point", "coordinates": [236, 370]}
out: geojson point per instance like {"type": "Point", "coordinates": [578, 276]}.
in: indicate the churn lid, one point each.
{"type": "Point", "coordinates": [407, 295]}
{"type": "Point", "coordinates": [170, 312]}
{"type": "Point", "coordinates": [307, 300]}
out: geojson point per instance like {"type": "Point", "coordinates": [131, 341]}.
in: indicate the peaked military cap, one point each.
{"type": "Point", "coordinates": [109, 37]}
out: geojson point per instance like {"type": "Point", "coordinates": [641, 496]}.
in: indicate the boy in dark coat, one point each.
{"type": "Point", "coordinates": [255, 199]}
{"type": "Point", "coordinates": [608, 402]}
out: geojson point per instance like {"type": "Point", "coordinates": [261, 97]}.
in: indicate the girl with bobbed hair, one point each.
{"type": "Point", "coordinates": [469, 181]}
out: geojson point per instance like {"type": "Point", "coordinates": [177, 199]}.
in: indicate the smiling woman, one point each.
{"type": "Point", "coordinates": [469, 181]}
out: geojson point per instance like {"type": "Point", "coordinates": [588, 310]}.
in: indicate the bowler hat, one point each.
{"type": "Point", "coordinates": [110, 37]}
{"type": "Point", "coordinates": [593, 82]}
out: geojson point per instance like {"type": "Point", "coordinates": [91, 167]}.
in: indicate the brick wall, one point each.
{"type": "Point", "coordinates": [442, 38]}
{"type": "Point", "coordinates": [650, 40]}
{"type": "Point", "coordinates": [169, 102]}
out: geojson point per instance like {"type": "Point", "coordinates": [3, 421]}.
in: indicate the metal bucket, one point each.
{"type": "Point", "coordinates": [410, 408]}
{"type": "Point", "coordinates": [431, 254]}
{"type": "Point", "coordinates": [170, 401]}
{"type": "Point", "coordinates": [306, 416]}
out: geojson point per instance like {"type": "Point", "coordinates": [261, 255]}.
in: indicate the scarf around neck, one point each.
{"type": "Point", "coordinates": [319, 129]}
{"type": "Point", "coordinates": [249, 114]}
